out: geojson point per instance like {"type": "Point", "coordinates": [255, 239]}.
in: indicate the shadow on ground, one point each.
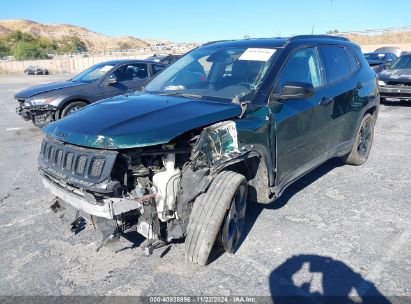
{"type": "Point", "coordinates": [318, 279]}
{"type": "Point", "coordinates": [254, 210]}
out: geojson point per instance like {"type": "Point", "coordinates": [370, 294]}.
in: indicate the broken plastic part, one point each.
{"type": "Point", "coordinates": [217, 143]}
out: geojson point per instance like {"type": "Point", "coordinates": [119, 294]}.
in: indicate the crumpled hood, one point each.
{"type": "Point", "coordinates": [402, 75]}
{"type": "Point", "coordinates": [138, 120]}
{"type": "Point", "coordinates": [26, 93]}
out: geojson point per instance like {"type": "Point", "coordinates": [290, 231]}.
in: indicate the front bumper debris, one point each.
{"type": "Point", "coordinates": [395, 93]}
{"type": "Point", "coordinates": [39, 115]}
{"type": "Point", "coordinates": [108, 208]}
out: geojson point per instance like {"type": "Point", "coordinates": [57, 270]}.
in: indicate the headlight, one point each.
{"type": "Point", "coordinates": [38, 101]}
{"type": "Point", "coordinates": [381, 83]}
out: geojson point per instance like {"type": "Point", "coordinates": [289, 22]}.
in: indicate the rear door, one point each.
{"type": "Point", "coordinates": [342, 85]}
{"type": "Point", "coordinates": [303, 126]}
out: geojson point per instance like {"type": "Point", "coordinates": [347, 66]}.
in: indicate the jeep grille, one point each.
{"type": "Point", "coordinates": [76, 164]}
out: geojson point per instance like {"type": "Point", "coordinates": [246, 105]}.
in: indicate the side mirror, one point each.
{"type": "Point", "coordinates": [296, 90]}
{"type": "Point", "coordinates": [111, 80]}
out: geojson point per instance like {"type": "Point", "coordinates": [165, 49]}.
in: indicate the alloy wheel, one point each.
{"type": "Point", "coordinates": [234, 222]}
{"type": "Point", "coordinates": [74, 109]}
{"type": "Point", "coordinates": [365, 139]}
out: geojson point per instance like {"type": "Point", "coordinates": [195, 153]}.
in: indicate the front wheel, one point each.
{"type": "Point", "coordinates": [363, 142]}
{"type": "Point", "coordinates": [219, 211]}
{"type": "Point", "coordinates": [72, 107]}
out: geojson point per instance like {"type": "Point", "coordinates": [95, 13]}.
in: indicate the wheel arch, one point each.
{"type": "Point", "coordinates": [67, 101]}
{"type": "Point", "coordinates": [254, 168]}
{"type": "Point", "coordinates": [373, 111]}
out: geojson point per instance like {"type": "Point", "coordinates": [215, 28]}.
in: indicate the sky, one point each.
{"type": "Point", "coordinates": [207, 20]}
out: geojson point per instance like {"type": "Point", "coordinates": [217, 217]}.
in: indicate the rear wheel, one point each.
{"type": "Point", "coordinates": [363, 142]}
{"type": "Point", "coordinates": [72, 107]}
{"type": "Point", "coordinates": [221, 210]}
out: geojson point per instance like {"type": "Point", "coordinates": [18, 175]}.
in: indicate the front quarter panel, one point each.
{"type": "Point", "coordinates": [254, 131]}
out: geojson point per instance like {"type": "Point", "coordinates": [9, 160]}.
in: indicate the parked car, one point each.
{"type": "Point", "coordinates": [380, 61]}
{"type": "Point", "coordinates": [49, 102]}
{"type": "Point", "coordinates": [36, 70]}
{"type": "Point", "coordinates": [389, 49]}
{"type": "Point", "coordinates": [395, 82]}
{"type": "Point", "coordinates": [167, 58]}
{"type": "Point", "coordinates": [229, 123]}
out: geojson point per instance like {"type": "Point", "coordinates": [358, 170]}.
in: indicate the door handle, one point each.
{"type": "Point", "coordinates": [325, 101]}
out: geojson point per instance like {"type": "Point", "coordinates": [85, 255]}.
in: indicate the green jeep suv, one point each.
{"type": "Point", "coordinates": [229, 123]}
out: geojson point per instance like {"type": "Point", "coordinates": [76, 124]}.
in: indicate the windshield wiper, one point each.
{"type": "Point", "coordinates": [179, 94]}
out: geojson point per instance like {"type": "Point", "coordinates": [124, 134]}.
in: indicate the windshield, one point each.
{"type": "Point", "coordinates": [403, 62]}
{"type": "Point", "coordinates": [93, 73]}
{"type": "Point", "coordinates": [228, 73]}
{"type": "Point", "coordinates": [374, 56]}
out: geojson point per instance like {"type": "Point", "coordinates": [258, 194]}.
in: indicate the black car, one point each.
{"type": "Point", "coordinates": [49, 102]}
{"type": "Point", "coordinates": [231, 123]}
{"type": "Point", "coordinates": [167, 58]}
{"type": "Point", "coordinates": [395, 82]}
{"type": "Point", "coordinates": [380, 61]}
{"type": "Point", "coordinates": [36, 70]}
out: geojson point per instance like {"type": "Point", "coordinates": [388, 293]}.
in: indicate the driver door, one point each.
{"type": "Point", "coordinates": [303, 126]}
{"type": "Point", "coordinates": [130, 78]}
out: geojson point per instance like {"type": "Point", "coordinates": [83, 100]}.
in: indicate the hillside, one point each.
{"type": "Point", "coordinates": [369, 43]}
{"type": "Point", "coordinates": [94, 41]}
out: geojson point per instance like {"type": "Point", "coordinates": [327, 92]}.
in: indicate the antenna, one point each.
{"type": "Point", "coordinates": [331, 16]}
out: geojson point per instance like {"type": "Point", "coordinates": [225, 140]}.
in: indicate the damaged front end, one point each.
{"type": "Point", "coordinates": [149, 189]}
{"type": "Point", "coordinates": [40, 115]}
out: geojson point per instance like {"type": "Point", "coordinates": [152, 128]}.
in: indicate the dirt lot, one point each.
{"type": "Point", "coordinates": [340, 230]}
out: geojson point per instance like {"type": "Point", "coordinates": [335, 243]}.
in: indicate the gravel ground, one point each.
{"type": "Point", "coordinates": [340, 230]}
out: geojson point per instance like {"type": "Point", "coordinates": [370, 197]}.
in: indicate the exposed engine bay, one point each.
{"type": "Point", "coordinates": [148, 189]}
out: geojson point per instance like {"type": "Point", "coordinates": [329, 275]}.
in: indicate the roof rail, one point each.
{"type": "Point", "coordinates": [216, 41]}
{"type": "Point", "coordinates": [319, 36]}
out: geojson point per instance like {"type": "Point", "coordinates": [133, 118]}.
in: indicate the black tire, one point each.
{"type": "Point", "coordinates": [72, 107]}
{"type": "Point", "coordinates": [208, 214]}
{"type": "Point", "coordinates": [363, 142]}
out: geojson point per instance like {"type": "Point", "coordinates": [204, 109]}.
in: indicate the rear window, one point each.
{"type": "Point", "coordinates": [355, 64]}
{"type": "Point", "coordinates": [336, 63]}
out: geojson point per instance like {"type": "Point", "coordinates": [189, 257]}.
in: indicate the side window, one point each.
{"type": "Point", "coordinates": [137, 71]}
{"type": "Point", "coordinates": [336, 63]}
{"type": "Point", "coordinates": [303, 66]}
{"type": "Point", "coordinates": [353, 59]}
{"type": "Point", "coordinates": [391, 57]}
{"type": "Point", "coordinates": [157, 68]}
{"type": "Point", "coordinates": [131, 72]}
